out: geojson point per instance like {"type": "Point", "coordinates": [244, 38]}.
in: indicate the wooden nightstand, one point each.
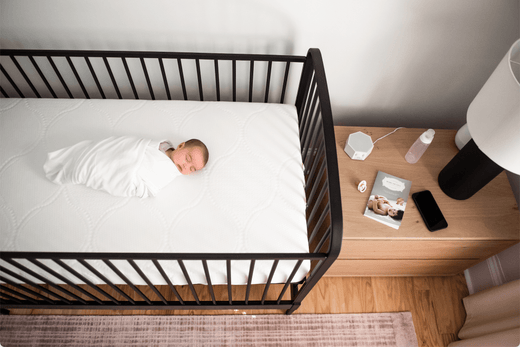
{"type": "Point", "coordinates": [478, 227]}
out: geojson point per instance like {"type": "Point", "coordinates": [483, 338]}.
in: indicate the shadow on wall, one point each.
{"type": "Point", "coordinates": [227, 26]}
{"type": "Point", "coordinates": [422, 65]}
{"type": "Point", "coordinates": [231, 26]}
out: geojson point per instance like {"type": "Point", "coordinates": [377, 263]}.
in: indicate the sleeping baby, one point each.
{"type": "Point", "coordinates": [125, 166]}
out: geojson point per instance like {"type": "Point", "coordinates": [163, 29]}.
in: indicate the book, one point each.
{"type": "Point", "coordinates": [388, 198]}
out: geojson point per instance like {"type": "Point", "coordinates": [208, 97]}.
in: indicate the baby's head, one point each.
{"type": "Point", "coordinates": [392, 212]}
{"type": "Point", "coordinates": [190, 156]}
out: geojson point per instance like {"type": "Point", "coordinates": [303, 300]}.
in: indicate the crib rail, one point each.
{"type": "Point", "coordinates": [45, 292]}
{"type": "Point", "coordinates": [182, 76]}
{"type": "Point", "coordinates": [146, 75]}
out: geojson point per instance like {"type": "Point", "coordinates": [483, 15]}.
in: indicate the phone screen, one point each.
{"type": "Point", "coordinates": [429, 210]}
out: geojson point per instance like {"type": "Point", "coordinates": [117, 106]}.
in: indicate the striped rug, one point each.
{"type": "Point", "coordinates": [372, 329]}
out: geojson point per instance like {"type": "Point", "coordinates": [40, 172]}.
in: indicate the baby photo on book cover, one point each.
{"type": "Point", "coordinates": [388, 199]}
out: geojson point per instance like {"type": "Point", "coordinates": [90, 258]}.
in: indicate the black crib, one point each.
{"type": "Point", "coordinates": [195, 76]}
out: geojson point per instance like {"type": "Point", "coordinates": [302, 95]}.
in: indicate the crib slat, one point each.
{"type": "Point", "coordinates": [104, 279]}
{"type": "Point", "coordinates": [31, 283]}
{"type": "Point", "coordinates": [123, 277]}
{"type": "Point", "coordinates": [217, 79]}
{"type": "Point", "coordinates": [310, 134]}
{"type": "Point", "coordinates": [129, 76]}
{"type": "Point", "coordinates": [313, 166]}
{"type": "Point", "coordinates": [323, 239]}
{"type": "Point", "coordinates": [314, 151]}
{"type": "Point", "coordinates": [251, 76]}
{"type": "Point", "coordinates": [304, 114]}
{"type": "Point", "coordinates": [3, 92]}
{"type": "Point", "coordinates": [285, 78]}
{"type": "Point", "coordinates": [234, 68]}
{"type": "Point", "coordinates": [208, 279]}
{"type": "Point", "coordinates": [317, 203]}
{"type": "Point", "coordinates": [112, 78]}
{"type": "Point", "coordinates": [249, 279]}
{"type": "Point", "coordinates": [163, 274]}
{"type": "Point", "coordinates": [181, 75]}
{"type": "Point", "coordinates": [320, 221]}
{"type": "Point", "coordinates": [165, 80]}
{"type": "Point", "coordinates": [316, 184]}
{"type": "Point", "coordinates": [268, 81]}
{"type": "Point", "coordinates": [316, 268]}
{"type": "Point", "coordinates": [64, 279]}
{"type": "Point", "coordinates": [78, 78]}
{"type": "Point", "coordinates": [12, 298]}
{"type": "Point", "coordinates": [60, 77]}
{"type": "Point", "coordinates": [11, 81]}
{"type": "Point", "coordinates": [288, 282]}
{"type": "Point", "coordinates": [319, 162]}
{"type": "Point", "coordinates": [269, 279]}
{"type": "Point", "coordinates": [308, 116]}
{"type": "Point", "coordinates": [316, 138]}
{"type": "Point", "coordinates": [145, 70]}
{"type": "Point", "coordinates": [228, 271]}
{"type": "Point", "coordinates": [42, 76]}
{"type": "Point", "coordinates": [143, 276]}
{"type": "Point", "coordinates": [199, 79]}
{"type": "Point", "coordinates": [188, 279]}
{"type": "Point", "coordinates": [27, 290]}
{"type": "Point", "coordinates": [24, 75]}
{"type": "Point", "coordinates": [310, 129]}
{"type": "Point", "coordinates": [94, 76]}
{"type": "Point", "coordinates": [44, 279]}
{"type": "Point", "coordinates": [90, 284]}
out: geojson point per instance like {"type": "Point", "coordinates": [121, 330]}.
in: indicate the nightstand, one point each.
{"type": "Point", "coordinates": [478, 227]}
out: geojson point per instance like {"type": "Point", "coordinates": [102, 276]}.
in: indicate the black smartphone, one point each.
{"type": "Point", "coordinates": [429, 210]}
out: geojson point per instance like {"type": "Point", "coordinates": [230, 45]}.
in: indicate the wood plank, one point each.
{"type": "Point", "coordinates": [398, 267]}
{"type": "Point", "coordinates": [421, 249]}
{"type": "Point", "coordinates": [425, 319]}
{"type": "Point", "coordinates": [354, 295]}
{"type": "Point", "coordinates": [392, 293]}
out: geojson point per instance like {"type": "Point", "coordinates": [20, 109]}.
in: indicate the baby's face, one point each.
{"type": "Point", "coordinates": [187, 160]}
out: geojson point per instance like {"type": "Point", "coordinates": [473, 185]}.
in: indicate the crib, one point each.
{"type": "Point", "coordinates": [46, 279]}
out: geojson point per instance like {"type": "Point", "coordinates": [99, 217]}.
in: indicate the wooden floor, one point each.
{"type": "Point", "coordinates": [435, 303]}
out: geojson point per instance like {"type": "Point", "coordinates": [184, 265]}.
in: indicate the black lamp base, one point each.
{"type": "Point", "coordinates": [468, 172]}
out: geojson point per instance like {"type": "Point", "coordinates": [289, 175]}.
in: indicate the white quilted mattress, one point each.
{"type": "Point", "coordinates": [249, 198]}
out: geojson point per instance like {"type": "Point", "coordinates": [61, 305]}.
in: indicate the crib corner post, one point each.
{"type": "Point", "coordinates": [293, 308]}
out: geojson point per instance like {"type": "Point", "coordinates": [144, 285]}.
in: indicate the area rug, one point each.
{"type": "Point", "coordinates": [372, 329]}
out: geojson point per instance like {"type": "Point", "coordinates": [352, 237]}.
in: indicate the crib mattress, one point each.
{"type": "Point", "coordinates": [249, 199]}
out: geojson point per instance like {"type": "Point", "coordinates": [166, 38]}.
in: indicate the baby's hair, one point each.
{"type": "Point", "coordinates": [198, 143]}
{"type": "Point", "coordinates": [399, 216]}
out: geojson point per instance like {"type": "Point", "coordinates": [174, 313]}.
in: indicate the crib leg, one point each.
{"type": "Point", "coordinates": [4, 311]}
{"type": "Point", "coordinates": [292, 309]}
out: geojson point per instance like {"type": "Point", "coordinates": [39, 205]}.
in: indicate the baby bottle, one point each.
{"type": "Point", "coordinates": [419, 146]}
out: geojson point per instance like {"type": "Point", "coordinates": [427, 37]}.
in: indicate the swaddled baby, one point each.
{"type": "Point", "coordinates": [125, 166]}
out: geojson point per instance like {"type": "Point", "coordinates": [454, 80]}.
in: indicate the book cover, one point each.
{"type": "Point", "coordinates": [387, 201]}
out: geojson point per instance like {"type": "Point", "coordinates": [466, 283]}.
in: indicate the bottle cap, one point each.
{"type": "Point", "coordinates": [427, 136]}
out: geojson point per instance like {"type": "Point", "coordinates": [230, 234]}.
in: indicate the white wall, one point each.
{"type": "Point", "coordinates": [388, 62]}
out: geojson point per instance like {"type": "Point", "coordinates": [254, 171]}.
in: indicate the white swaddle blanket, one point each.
{"type": "Point", "coordinates": [121, 166]}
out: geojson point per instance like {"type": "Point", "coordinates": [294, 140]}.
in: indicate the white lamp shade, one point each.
{"type": "Point", "coordinates": [494, 115]}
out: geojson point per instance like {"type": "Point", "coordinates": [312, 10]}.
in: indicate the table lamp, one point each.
{"type": "Point", "coordinates": [493, 121]}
